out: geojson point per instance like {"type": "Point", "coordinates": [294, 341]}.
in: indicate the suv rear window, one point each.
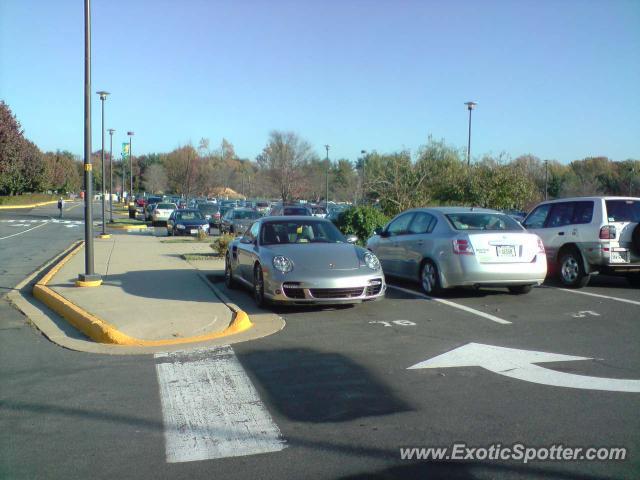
{"type": "Point", "coordinates": [623, 210]}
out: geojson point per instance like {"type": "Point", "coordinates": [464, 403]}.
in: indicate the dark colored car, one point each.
{"type": "Point", "coordinates": [238, 220]}
{"type": "Point", "coordinates": [187, 222]}
{"type": "Point", "coordinates": [211, 213]}
{"type": "Point", "coordinates": [288, 210]}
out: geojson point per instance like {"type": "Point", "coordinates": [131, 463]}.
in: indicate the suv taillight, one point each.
{"type": "Point", "coordinates": [540, 246]}
{"type": "Point", "coordinates": [462, 247]}
{"type": "Point", "coordinates": [608, 232]}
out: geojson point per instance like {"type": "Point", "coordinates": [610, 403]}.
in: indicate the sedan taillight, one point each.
{"type": "Point", "coordinates": [540, 246]}
{"type": "Point", "coordinates": [608, 232]}
{"type": "Point", "coordinates": [462, 247]}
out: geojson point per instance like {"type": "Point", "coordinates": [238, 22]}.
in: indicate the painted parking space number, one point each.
{"type": "Point", "coordinates": [402, 323]}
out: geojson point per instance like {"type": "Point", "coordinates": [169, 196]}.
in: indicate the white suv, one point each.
{"type": "Point", "coordinates": [589, 235]}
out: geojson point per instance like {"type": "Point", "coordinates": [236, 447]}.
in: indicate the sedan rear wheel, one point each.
{"type": "Point", "coordinates": [571, 270]}
{"type": "Point", "coordinates": [429, 278]}
{"type": "Point", "coordinates": [258, 286]}
{"type": "Point", "coordinates": [228, 273]}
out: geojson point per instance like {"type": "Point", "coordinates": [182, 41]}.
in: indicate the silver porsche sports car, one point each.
{"type": "Point", "coordinates": [302, 260]}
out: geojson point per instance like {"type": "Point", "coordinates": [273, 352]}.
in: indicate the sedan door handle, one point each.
{"type": "Point", "coordinates": [420, 242]}
{"type": "Point", "coordinates": [560, 233]}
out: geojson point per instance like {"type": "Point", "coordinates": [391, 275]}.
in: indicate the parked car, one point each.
{"type": "Point", "coordinates": [161, 213]}
{"type": "Point", "coordinates": [187, 222]}
{"type": "Point", "coordinates": [280, 210]}
{"type": "Point", "coordinates": [237, 220]}
{"type": "Point", "coordinates": [460, 247]}
{"type": "Point", "coordinates": [211, 213]}
{"type": "Point", "coordinates": [262, 207]}
{"type": "Point", "coordinates": [148, 211]}
{"type": "Point", "coordinates": [302, 260]}
{"type": "Point", "coordinates": [588, 235]}
{"type": "Point", "coordinates": [318, 211]}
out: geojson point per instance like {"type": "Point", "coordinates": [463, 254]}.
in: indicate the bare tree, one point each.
{"type": "Point", "coordinates": [155, 178]}
{"type": "Point", "coordinates": [283, 160]}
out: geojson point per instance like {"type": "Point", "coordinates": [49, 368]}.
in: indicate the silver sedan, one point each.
{"type": "Point", "coordinates": [302, 260]}
{"type": "Point", "coordinates": [460, 246]}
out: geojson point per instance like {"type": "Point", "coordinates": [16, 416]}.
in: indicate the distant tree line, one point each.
{"type": "Point", "coordinates": [288, 168]}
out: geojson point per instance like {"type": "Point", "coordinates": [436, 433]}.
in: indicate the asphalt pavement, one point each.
{"type": "Point", "coordinates": [332, 395]}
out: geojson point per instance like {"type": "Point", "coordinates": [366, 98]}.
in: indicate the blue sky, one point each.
{"type": "Point", "coordinates": [558, 79]}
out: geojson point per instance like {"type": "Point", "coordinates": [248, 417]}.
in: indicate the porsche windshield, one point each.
{"type": "Point", "coordinates": [276, 233]}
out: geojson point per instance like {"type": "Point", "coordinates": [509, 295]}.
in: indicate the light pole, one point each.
{"type": "Point", "coordinates": [364, 173]}
{"type": "Point", "coordinates": [111, 130]}
{"type": "Point", "coordinates": [89, 278]}
{"type": "Point", "coordinates": [470, 106]}
{"type": "Point", "coordinates": [632, 172]}
{"type": "Point", "coordinates": [103, 97]}
{"type": "Point", "coordinates": [546, 180]}
{"type": "Point", "coordinates": [326, 198]}
{"type": "Point", "coordinates": [131, 134]}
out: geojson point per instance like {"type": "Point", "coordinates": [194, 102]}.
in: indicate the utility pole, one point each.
{"type": "Point", "coordinates": [89, 278]}
{"type": "Point", "coordinates": [326, 201]}
{"type": "Point", "coordinates": [546, 180]}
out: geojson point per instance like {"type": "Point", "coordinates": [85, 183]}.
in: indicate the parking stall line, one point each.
{"type": "Point", "coordinates": [473, 311]}
{"type": "Point", "coordinates": [211, 409]}
{"type": "Point", "coordinates": [617, 299]}
{"type": "Point", "coordinates": [24, 231]}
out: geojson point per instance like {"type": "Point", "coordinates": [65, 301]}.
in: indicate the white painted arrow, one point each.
{"type": "Point", "coordinates": [515, 363]}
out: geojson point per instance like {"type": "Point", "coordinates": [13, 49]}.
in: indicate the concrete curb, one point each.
{"type": "Point", "coordinates": [102, 332]}
{"type": "Point", "coordinates": [31, 205]}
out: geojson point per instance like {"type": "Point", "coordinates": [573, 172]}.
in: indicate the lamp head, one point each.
{"type": "Point", "coordinates": [111, 130]}
{"type": "Point", "coordinates": [131, 134]}
{"type": "Point", "coordinates": [470, 105]}
{"type": "Point", "coordinates": [103, 94]}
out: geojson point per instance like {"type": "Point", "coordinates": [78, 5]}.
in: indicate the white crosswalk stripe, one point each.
{"type": "Point", "coordinates": [211, 409]}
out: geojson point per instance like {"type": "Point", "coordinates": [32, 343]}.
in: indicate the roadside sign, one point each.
{"type": "Point", "coordinates": [125, 149]}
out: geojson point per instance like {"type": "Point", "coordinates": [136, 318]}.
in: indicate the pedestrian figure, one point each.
{"type": "Point", "coordinates": [60, 206]}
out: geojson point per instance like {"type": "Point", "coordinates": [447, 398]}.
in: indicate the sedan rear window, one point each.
{"type": "Point", "coordinates": [483, 221]}
{"type": "Point", "coordinates": [245, 214]}
{"type": "Point", "coordinates": [189, 216]}
{"type": "Point", "coordinates": [296, 211]}
{"type": "Point", "coordinates": [166, 206]}
{"type": "Point", "coordinates": [623, 210]}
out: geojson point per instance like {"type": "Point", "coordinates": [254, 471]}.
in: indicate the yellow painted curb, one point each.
{"type": "Point", "coordinates": [104, 237]}
{"type": "Point", "coordinates": [126, 227]}
{"type": "Point", "coordinates": [91, 283]}
{"type": "Point", "coordinates": [102, 332]}
{"type": "Point", "coordinates": [31, 205]}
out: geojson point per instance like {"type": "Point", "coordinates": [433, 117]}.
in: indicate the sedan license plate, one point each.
{"type": "Point", "coordinates": [506, 251]}
{"type": "Point", "coordinates": [193, 231]}
{"type": "Point", "coordinates": [619, 257]}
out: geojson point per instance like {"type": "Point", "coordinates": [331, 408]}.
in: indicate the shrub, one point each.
{"type": "Point", "coordinates": [221, 243]}
{"type": "Point", "coordinates": [202, 235]}
{"type": "Point", "coordinates": [361, 221]}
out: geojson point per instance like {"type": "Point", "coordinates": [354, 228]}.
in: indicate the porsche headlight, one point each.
{"type": "Point", "coordinates": [371, 261]}
{"type": "Point", "coordinates": [282, 264]}
{"type": "Point", "coordinates": [180, 226]}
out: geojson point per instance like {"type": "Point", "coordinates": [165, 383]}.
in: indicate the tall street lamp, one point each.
{"type": "Point", "coordinates": [131, 134]}
{"type": "Point", "coordinates": [103, 97]}
{"type": "Point", "coordinates": [89, 278]}
{"type": "Point", "coordinates": [364, 172]}
{"type": "Point", "coordinates": [111, 130]}
{"type": "Point", "coordinates": [470, 106]}
{"type": "Point", "coordinates": [326, 201]}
